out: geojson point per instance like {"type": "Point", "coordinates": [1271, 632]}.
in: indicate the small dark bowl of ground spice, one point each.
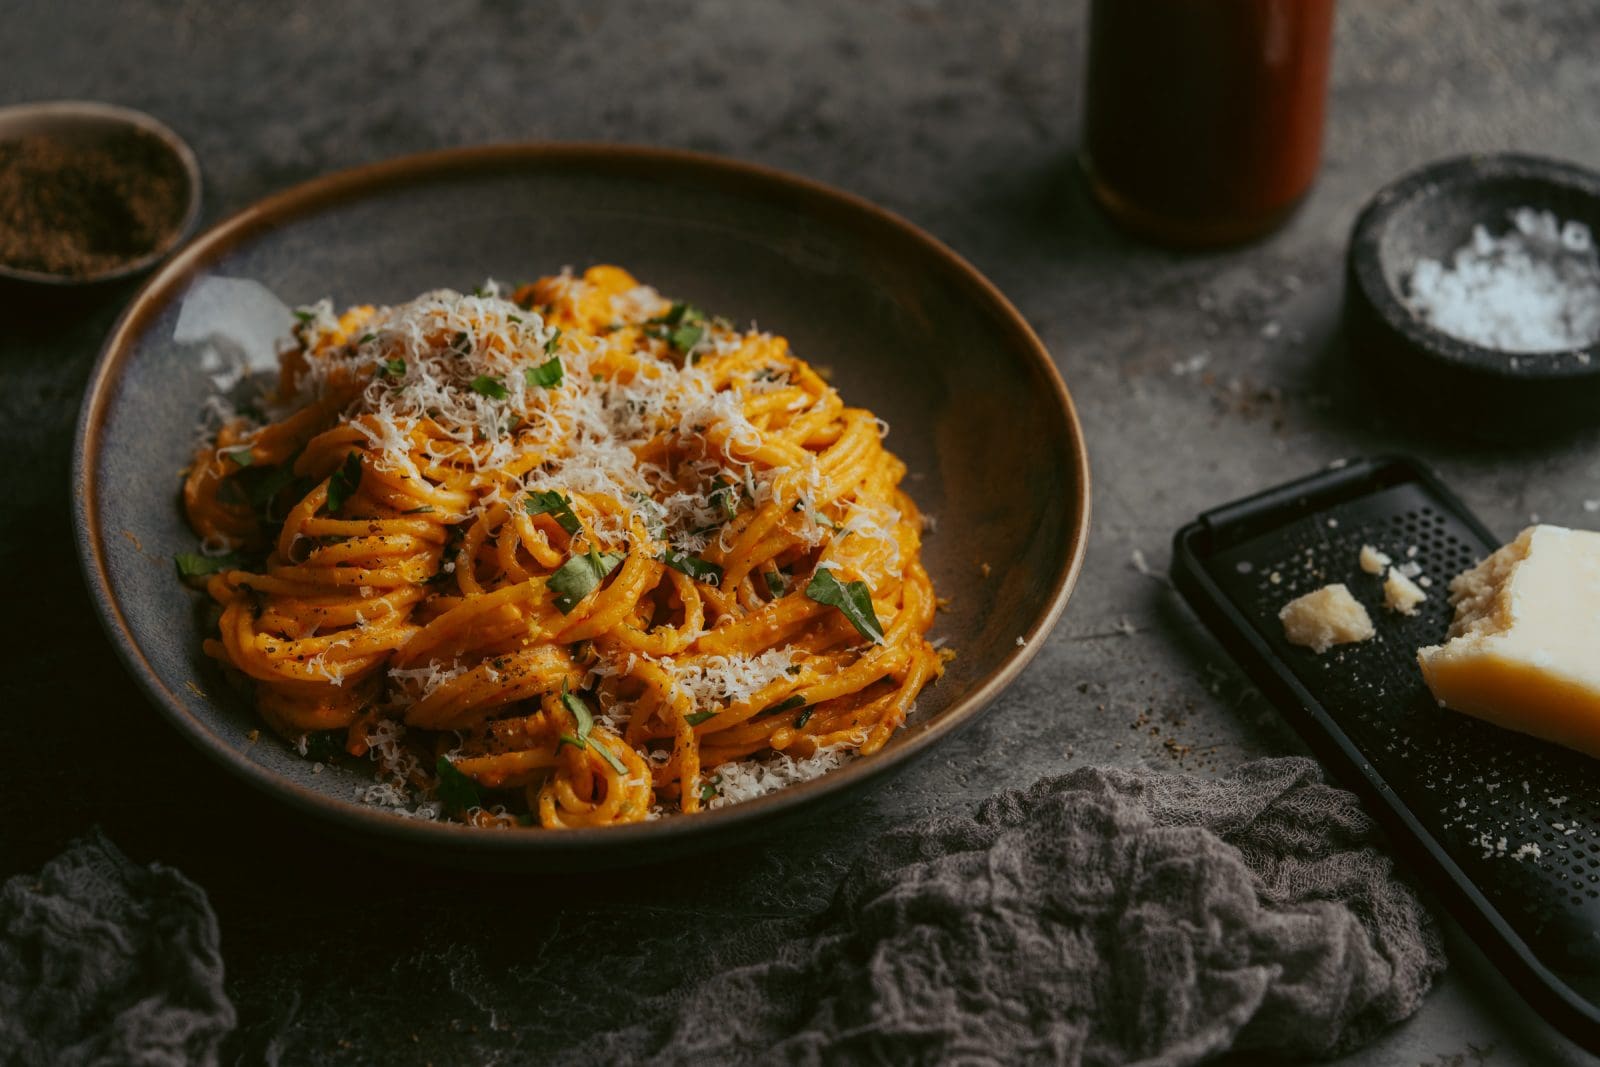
{"type": "Point", "coordinates": [90, 192]}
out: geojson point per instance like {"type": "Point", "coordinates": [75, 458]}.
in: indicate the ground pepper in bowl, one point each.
{"type": "Point", "coordinates": [80, 209]}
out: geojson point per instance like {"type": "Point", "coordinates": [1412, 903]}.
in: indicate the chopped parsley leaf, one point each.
{"type": "Point", "coordinates": [555, 339]}
{"type": "Point", "coordinates": [303, 315]}
{"type": "Point", "coordinates": [343, 483]}
{"type": "Point", "coordinates": [853, 599]}
{"type": "Point", "coordinates": [804, 717]}
{"type": "Point", "coordinates": [709, 789]}
{"type": "Point", "coordinates": [489, 387]}
{"type": "Point", "coordinates": [795, 701]}
{"type": "Point", "coordinates": [393, 368]}
{"type": "Point", "coordinates": [551, 502]}
{"type": "Point", "coordinates": [195, 565]}
{"type": "Point", "coordinates": [701, 570]}
{"type": "Point", "coordinates": [580, 576]}
{"type": "Point", "coordinates": [546, 375]}
{"type": "Point", "coordinates": [697, 717]}
{"type": "Point", "coordinates": [455, 790]}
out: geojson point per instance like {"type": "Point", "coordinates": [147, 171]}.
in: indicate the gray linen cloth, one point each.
{"type": "Point", "coordinates": [104, 962]}
{"type": "Point", "coordinates": [1103, 917]}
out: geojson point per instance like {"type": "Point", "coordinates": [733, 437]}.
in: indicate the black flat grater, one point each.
{"type": "Point", "coordinates": [1504, 828]}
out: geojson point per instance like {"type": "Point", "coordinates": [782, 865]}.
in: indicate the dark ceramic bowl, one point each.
{"type": "Point", "coordinates": [976, 407]}
{"type": "Point", "coordinates": [86, 122]}
{"type": "Point", "coordinates": [1460, 387]}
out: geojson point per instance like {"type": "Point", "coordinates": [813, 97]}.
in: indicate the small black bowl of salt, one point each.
{"type": "Point", "coordinates": [1472, 296]}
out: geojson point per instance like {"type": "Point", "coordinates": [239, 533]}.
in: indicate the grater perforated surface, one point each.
{"type": "Point", "coordinates": [1518, 815]}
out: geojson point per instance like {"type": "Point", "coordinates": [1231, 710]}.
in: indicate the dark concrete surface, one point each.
{"type": "Point", "coordinates": [962, 116]}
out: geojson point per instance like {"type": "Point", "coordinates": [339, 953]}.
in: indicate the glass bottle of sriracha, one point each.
{"type": "Point", "coordinates": [1203, 118]}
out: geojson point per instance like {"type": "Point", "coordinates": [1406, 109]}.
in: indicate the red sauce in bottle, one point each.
{"type": "Point", "coordinates": [1203, 121]}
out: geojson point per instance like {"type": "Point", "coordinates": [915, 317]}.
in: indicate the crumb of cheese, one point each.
{"type": "Point", "coordinates": [1326, 617]}
{"type": "Point", "coordinates": [1401, 593]}
{"type": "Point", "coordinates": [1373, 561]}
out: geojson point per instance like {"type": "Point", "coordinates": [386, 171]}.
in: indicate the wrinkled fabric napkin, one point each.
{"type": "Point", "coordinates": [104, 962]}
{"type": "Point", "coordinates": [1101, 918]}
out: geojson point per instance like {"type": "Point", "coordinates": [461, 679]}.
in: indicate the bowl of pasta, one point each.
{"type": "Point", "coordinates": [555, 505]}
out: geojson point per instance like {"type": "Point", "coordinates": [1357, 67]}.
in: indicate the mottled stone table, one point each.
{"type": "Point", "coordinates": [1199, 378]}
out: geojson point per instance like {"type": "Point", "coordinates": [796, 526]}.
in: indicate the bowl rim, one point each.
{"type": "Point", "coordinates": [754, 180]}
{"type": "Point", "coordinates": [1442, 176]}
{"type": "Point", "coordinates": [97, 111]}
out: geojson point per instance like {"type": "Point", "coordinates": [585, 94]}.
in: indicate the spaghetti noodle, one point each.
{"type": "Point", "coordinates": [574, 557]}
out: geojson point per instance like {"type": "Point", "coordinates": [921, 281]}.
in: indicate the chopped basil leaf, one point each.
{"type": "Point", "coordinates": [242, 456]}
{"type": "Point", "coordinates": [393, 368]}
{"type": "Point", "coordinates": [461, 343]}
{"type": "Point", "coordinates": [580, 576]}
{"type": "Point", "coordinates": [853, 599]}
{"type": "Point", "coordinates": [709, 789]}
{"type": "Point", "coordinates": [580, 711]}
{"type": "Point", "coordinates": [304, 315]}
{"type": "Point", "coordinates": [610, 757]}
{"type": "Point", "coordinates": [546, 375]}
{"type": "Point", "coordinates": [683, 327]}
{"type": "Point", "coordinates": [555, 339]}
{"type": "Point", "coordinates": [698, 717]}
{"type": "Point", "coordinates": [323, 746]}
{"type": "Point", "coordinates": [777, 582]}
{"type": "Point", "coordinates": [684, 338]}
{"type": "Point", "coordinates": [425, 509]}
{"type": "Point", "coordinates": [804, 717]}
{"type": "Point", "coordinates": [367, 338]}
{"type": "Point", "coordinates": [489, 387]}
{"type": "Point", "coordinates": [344, 482]}
{"type": "Point", "coordinates": [194, 565]}
{"type": "Point", "coordinates": [477, 290]}
{"type": "Point", "coordinates": [272, 481]}
{"type": "Point", "coordinates": [514, 318]}
{"type": "Point", "coordinates": [724, 498]}
{"type": "Point", "coordinates": [551, 502]}
{"type": "Point", "coordinates": [701, 570]}
{"type": "Point", "coordinates": [455, 790]}
{"type": "Point", "coordinates": [678, 313]}
{"type": "Point", "coordinates": [795, 701]}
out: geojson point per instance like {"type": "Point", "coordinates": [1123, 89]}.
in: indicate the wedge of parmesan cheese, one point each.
{"type": "Point", "coordinates": [1524, 648]}
{"type": "Point", "coordinates": [1326, 617]}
